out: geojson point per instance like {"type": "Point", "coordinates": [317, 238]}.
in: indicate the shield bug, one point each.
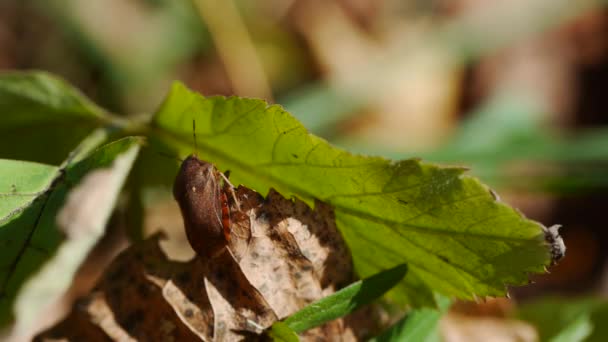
{"type": "Point", "coordinates": [203, 201]}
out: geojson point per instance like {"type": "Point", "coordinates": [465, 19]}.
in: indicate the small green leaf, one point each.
{"type": "Point", "coordinates": [56, 218]}
{"type": "Point", "coordinates": [577, 330]}
{"type": "Point", "coordinates": [37, 109]}
{"type": "Point", "coordinates": [42, 97]}
{"type": "Point", "coordinates": [281, 332]}
{"type": "Point", "coordinates": [419, 325]}
{"type": "Point", "coordinates": [450, 229]}
{"type": "Point", "coordinates": [21, 182]}
{"type": "Point", "coordinates": [346, 300]}
{"type": "Point", "coordinates": [561, 319]}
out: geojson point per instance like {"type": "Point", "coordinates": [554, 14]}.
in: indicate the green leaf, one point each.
{"type": "Point", "coordinates": [22, 182]}
{"type": "Point", "coordinates": [455, 236]}
{"type": "Point", "coordinates": [39, 109]}
{"type": "Point", "coordinates": [418, 325]}
{"type": "Point", "coordinates": [281, 332]}
{"type": "Point", "coordinates": [560, 319]}
{"type": "Point", "coordinates": [51, 218]}
{"type": "Point", "coordinates": [346, 300]}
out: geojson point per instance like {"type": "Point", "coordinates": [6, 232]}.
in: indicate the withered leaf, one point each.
{"type": "Point", "coordinates": [282, 256]}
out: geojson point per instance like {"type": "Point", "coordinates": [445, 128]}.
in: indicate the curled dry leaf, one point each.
{"type": "Point", "coordinates": [280, 257]}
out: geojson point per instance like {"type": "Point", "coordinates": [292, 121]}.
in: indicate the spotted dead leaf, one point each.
{"type": "Point", "coordinates": [281, 256]}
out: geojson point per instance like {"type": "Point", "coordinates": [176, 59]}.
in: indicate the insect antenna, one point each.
{"type": "Point", "coordinates": [194, 137]}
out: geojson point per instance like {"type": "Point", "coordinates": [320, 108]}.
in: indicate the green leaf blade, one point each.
{"type": "Point", "coordinates": [456, 236]}
{"type": "Point", "coordinates": [346, 300]}
{"type": "Point", "coordinates": [36, 96]}
{"type": "Point", "coordinates": [37, 108]}
{"type": "Point", "coordinates": [281, 332]}
{"type": "Point", "coordinates": [419, 325]}
{"type": "Point", "coordinates": [20, 183]}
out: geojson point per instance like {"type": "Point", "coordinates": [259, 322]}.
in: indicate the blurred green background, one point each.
{"type": "Point", "coordinates": [516, 90]}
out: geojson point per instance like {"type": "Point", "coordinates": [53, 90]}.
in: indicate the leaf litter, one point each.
{"type": "Point", "coordinates": [281, 256]}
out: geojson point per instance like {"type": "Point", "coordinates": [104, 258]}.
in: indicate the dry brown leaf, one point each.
{"type": "Point", "coordinates": [281, 256]}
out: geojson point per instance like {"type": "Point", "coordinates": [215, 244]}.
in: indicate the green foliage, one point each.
{"type": "Point", "coordinates": [38, 239]}
{"type": "Point", "coordinates": [449, 229]}
{"type": "Point", "coordinates": [346, 300]}
{"type": "Point", "coordinates": [419, 325]}
{"type": "Point", "coordinates": [37, 110]}
{"type": "Point", "coordinates": [280, 332]}
{"type": "Point", "coordinates": [562, 319]}
{"type": "Point", "coordinates": [40, 97]}
{"type": "Point", "coordinates": [456, 238]}
{"type": "Point", "coordinates": [21, 182]}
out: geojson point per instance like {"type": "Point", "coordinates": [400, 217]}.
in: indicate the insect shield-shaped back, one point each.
{"type": "Point", "coordinates": [198, 192]}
